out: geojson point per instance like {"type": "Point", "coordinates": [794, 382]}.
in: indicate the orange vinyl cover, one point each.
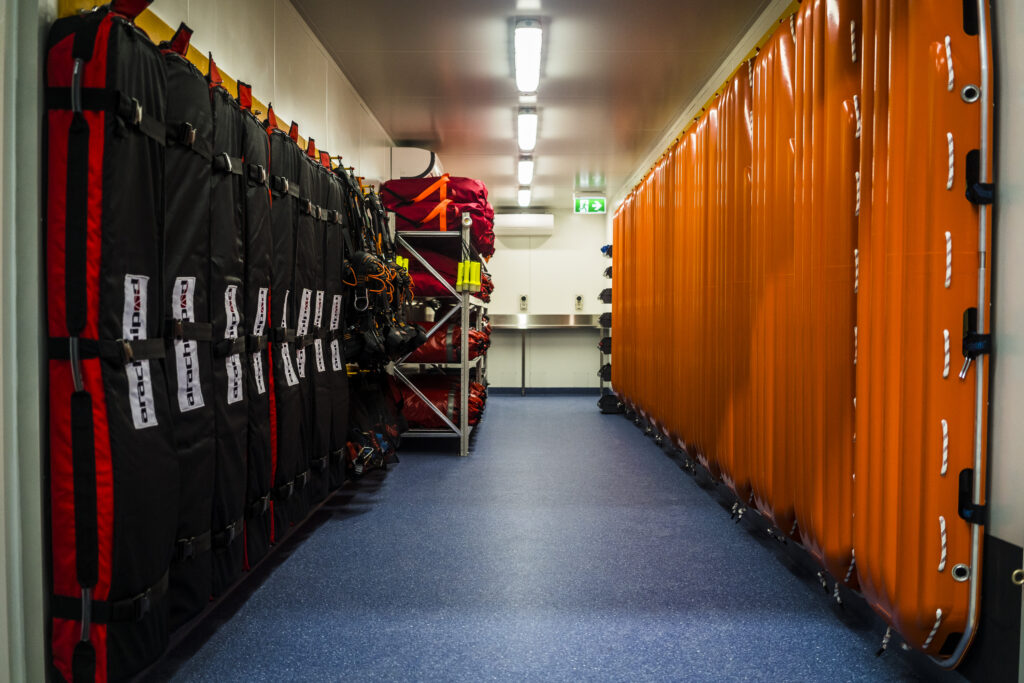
{"type": "Point", "coordinates": [806, 251]}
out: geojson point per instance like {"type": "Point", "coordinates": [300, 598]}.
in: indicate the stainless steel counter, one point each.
{"type": "Point", "coordinates": [543, 321]}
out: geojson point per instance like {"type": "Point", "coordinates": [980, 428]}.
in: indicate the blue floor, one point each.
{"type": "Point", "coordinates": [566, 547]}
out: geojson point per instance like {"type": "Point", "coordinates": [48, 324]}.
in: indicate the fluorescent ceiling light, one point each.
{"type": "Point", "coordinates": [528, 38]}
{"type": "Point", "coordinates": [525, 170]}
{"type": "Point", "coordinates": [527, 129]}
{"type": "Point", "coordinates": [524, 196]}
{"type": "Point", "coordinates": [528, 99]}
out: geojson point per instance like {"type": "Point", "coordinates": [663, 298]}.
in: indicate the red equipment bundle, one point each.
{"type": "Point", "coordinates": [443, 393]}
{"type": "Point", "coordinates": [443, 346]}
{"type": "Point", "coordinates": [405, 191]}
{"type": "Point", "coordinates": [426, 285]}
{"type": "Point", "coordinates": [447, 215]}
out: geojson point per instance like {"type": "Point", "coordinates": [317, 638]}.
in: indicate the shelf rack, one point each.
{"type": "Point", "coordinates": [463, 303]}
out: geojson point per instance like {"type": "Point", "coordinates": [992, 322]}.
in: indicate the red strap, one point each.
{"type": "Point", "coordinates": [325, 160]}
{"type": "Point", "coordinates": [271, 119]}
{"type": "Point", "coordinates": [129, 8]}
{"type": "Point", "coordinates": [441, 183]}
{"type": "Point", "coordinates": [311, 149]}
{"type": "Point", "coordinates": [245, 96]}
{"type": "Point", "coordinates": [293, 131]}
{"type": "Point", "coordinates": [213, 76]}
{"type": "Point", "coordinates": [182, 37]}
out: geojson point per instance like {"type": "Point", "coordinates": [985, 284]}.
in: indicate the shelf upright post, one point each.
{"type": "Point", "coordinates": [467, 226]}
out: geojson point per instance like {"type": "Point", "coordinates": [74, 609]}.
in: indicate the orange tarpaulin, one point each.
{"type": "Point", "coordinates": [791, 281]}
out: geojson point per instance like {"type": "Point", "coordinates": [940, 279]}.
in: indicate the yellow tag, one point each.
{"type": "Point", "coordinates": [474, 276]}
{"type": "Point", "coordinates": [460, 280]}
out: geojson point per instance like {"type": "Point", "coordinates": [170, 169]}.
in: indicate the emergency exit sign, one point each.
{"type": "Point", "coordinates": [591, 205]}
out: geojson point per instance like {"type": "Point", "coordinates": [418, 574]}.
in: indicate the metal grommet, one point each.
{"type": "Point", "coordinates": [961, 572]}
{"type": "Point", "coordinates": [970, 93]}
{"type": "Point", "coordinates": [1018, 577]}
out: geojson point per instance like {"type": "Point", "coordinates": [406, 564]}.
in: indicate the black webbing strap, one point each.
{"type": "Point", "coordinates": [301, 480]}
{"type": "Point", "coordinates": [130, 609]}
{"type": "Point", "coordinates": [183, 329]}
{"type": "Point", "coordinates": [185, 135]}
{"type": "Point", "coordinates": [256, 342]}
{"type": "Point", "coordinates": [83, 463]}
{"type": "Point", "coordinates": [282, 186]}
{"type": "Point", "coordinates": [257, 174]}
{"type": "Point", "coordinates": [309, 208]}
{"type": "Point", "coordinates": [258, 507]}
{"type": "Point", "coordinates": [319, 464]}
{"type": "Point", "coordinates": [304, 340]}
{"type": "Point", "coordinates": [225, 537]}
{"type": "Point", "coordinates": [124, 351]}
{"type": "Point", "coordinates": [282, 335]}
{"type": "Point", "coordinates": [225, 163]}
{"type": "Point", "coordinates": [128, 109]}
{"type": "Point", "coordinates": [228, 347]}
{"type": "Point", "coordinates": [188, 548]}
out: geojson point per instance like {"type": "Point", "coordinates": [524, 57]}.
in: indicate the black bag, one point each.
{"type": "Point", "coordinates": [187, 282]}
{"type": "Point", "coordinates": [605, 373]}
{"type": "Point", "coordinates": [605, 345]}
{"type": "Point", "coordinates": [605, 320]}
{"type": "Point", "coordinates": [606, 295]}
{"type": "Point", "coordinates": [610, 405]}
{"type": "Point", "coordinates": [227, 250]}
{"type": "Point", "coordinates": [258, 249]}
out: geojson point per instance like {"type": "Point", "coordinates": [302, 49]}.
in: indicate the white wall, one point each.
{"type": "Point", "coordinates": [551, 272]}
{"type": "Point", "coordinates": [267, 43]}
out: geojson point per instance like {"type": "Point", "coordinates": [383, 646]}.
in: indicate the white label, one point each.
{"type": "Point", "coordinates": [258, 325]}
{"type": "Point", "coordinates": [286, 353]}
{"type": "Point", "coordinates": [318, 345]}
{"type": "Point", "coordinates": [304, 315]}
{"type": "Point", "coordinates": [336, 363]}
{"type": "Point", "coordinates": [186, 351]}
{"type": "Point", "coordinates": [133, 322]}
{"type": "Point", "coordinates": [234, 361]}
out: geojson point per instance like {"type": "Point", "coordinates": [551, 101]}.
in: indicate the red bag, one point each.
{"type": "Point", "coordinates": [445, 344]}
{"type": "Point", "coordinates": [406, 191]}
{"type": "Point", "coordinates": [426, 285]}
{"type": "Point", "coordinates": [443, 393]}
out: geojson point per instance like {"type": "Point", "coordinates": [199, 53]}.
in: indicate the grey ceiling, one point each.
{"type": "Point", "coordinates": [614, 74]}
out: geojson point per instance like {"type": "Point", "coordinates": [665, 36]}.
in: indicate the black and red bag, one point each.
{"type": "Point", "coordinates": [227, 252]}
{"type": "Point", "coordinates": [258, 249]}
{"type": "Point", "coordinates": [317, 367]}
{"type": "Point", "coordinates": [287, 439]}
{"type": "Point", "coordinates": [443, 393]}
{"type": "Point", "coordinates": [186, 278]}
{"type": "Point", "coordinates": [113, 521]}
{"type": "Point", "coordinates": [334, 255]}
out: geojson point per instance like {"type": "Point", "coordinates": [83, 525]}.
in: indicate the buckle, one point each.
{"type": "Point", "coordinates": [176, 329]}
{"type": "Point", "coordinates": [186, 548]}
{"type": "Point", "coordinates": [187, 134]}
{"type": "Point", "coordinates": [127, 355]}
{"type": "Point", "coordinates": [227, 162]}
{"type": "Point", "coordinates": [279, 184]}
{"type": "Point", "coordinates": [258, 174]}
{"type": "Point", "coordinates": [142, 603]}
{"type": "Point", "coordinates": [137, 112]}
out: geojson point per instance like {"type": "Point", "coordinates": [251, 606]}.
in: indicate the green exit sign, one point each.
{"type": "Point", "coordinates": [591, 205]}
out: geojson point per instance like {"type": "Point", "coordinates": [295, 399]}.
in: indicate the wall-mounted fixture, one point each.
{"type": "Point", "coordinates": [527, 128]}
{"type": "Point", "coordinates": [524, 197]}
{"type": "Point", "coordinates": [524, 224]}
{"type": "Point", "coordinates": [527, 41]}
{"type": "Point", "coordinates": [522, 302]}
{"type": "Point", "coordinates": [525, 170]}
{"type": "Point", "coordinates": [579, 302]}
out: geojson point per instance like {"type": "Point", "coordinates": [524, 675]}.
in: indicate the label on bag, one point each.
{"type": "Point", "coordinates": [186, 351]}
{"type": "Point", "coordinates": [258, 326]}
{"type": "Point", "coordinates": [304, 315]}
{"type": "Point", "coordinates": [286, 353]}
{"type": "Point", "coordinates": [133, 323]}
{"type": "Point", "coordinates": [234, 361]}
{"type": "Point", "coordinates": [336, 363]}
{"type": "Point", "coordinates": [318, 344]}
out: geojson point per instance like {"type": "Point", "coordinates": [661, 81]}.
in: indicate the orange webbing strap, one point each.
{"type": "Point", "coordinates": [440, 184]}
{"type": "Point", "coordinates": [442, 210]}
{"type": "Point", "coordinates": [245, 96]}
{"type": "Point", "coordinates": [293, 131]}
{"type": "Point", "coordinates": [311, 149]}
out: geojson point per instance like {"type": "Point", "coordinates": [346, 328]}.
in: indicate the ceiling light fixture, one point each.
{"type": "Point", "coordinates": [528, 39]}
{"type": "Point", "coordinates": [524, 197]}
{"type": "Point", "coordinates": [527, 129]}
{"type": "Point", "coordinates": [525, 170]}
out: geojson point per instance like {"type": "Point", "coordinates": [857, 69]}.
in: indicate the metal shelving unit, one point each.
{"type": "Point", "coordinates": [466, 305]}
